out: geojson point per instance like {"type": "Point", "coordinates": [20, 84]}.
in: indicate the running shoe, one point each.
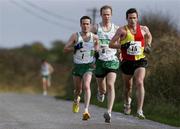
{"type": "Point", "coordinates": [140, 115]}
{"type": "Point", "coordinates": [75, 107]}
{"type": "Point", "coordinates": [100, 97]}
{"type": "Point", "coordinates": [45, 93]}
{"type": "Point", "coordinates": [86, 116]}
{"type": "Point", "coordinates": [107, 117]}
{"type": "Point", "coordinates": [127, 107]}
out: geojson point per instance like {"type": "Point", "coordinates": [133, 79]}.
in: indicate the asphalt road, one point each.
{"type": "Point", "coordinates": [22, 111]}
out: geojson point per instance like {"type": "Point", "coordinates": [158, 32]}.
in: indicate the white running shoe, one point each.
{"type": "Point", "coordinates": [45, 93]}
{"type": "Point", "coordinates": [100, 97]}
{"type": "Point", "coordinates": [107, 117]}
{"type": "Point", "coordinates": [140, 115]}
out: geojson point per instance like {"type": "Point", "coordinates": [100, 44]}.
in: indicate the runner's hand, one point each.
{"type": "Point", "coordinates": [96, 55]}
{"type": "Point", "coordinates": [78, 46]}
{"type": "Point", "coordinates": [148, 49]}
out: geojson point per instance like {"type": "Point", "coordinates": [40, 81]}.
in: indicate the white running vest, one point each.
{"type": "Point", "coordinates": [45, 69]}
{"type": "Point", "coordinates": [106, 53]}
{"type": "Point", "coordinates": [85, 54]}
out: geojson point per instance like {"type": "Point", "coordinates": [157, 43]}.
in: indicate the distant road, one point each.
{"type": "Point", "coordinates": [22, 111]}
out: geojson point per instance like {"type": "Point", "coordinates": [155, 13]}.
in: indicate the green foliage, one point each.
{"type": "Point", "coordinates": [59, 55]}
{"type": "Point", "coordinates": [165, 112]}
{"type": "Point", "coordinates": [160, 24]}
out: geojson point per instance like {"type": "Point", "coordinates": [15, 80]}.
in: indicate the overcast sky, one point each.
{"type": "Point", "coordinates": [26, 21]}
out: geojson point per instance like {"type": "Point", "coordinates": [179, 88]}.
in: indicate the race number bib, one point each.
{"type": "Point", "coordinates": [103, 49]}
{"type": "Point", "coordinates": [85, 53]}
{"type": "Point", "coordinates": [134, 48]}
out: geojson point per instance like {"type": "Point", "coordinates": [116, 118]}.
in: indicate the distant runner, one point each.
{"type": "Point", "coordinates": [46, 71]}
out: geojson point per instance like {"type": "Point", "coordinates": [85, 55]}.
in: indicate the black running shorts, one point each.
{"type": "Point", "coordinates": [129, 67]}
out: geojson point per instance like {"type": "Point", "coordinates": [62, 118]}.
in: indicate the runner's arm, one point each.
{"type": "Point", "coordinates": [69, 47]}
{"type": "Point", "coordinates": [148, 40]}
{"type": "Point", "coordinates": [114, 41]}
{"type": "Point", "coordinates": [96, 43]}
{"type": "Point", "coordinates": [148, 36]}
{"type": "Point", "coordinates": [51, 69]}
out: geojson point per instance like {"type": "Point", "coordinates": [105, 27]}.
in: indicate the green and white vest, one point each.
{"type": "Point", "coordinates": [106, 53]}
{"type": "Point", "coordinates": [85, 54]}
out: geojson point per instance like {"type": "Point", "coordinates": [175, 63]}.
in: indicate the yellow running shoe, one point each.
{"type": "Point", "coordinates": [75, 107]}
{"type": "Point", "coordinates": [86, 116]}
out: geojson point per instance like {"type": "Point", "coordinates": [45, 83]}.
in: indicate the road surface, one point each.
{"type": "Point", "coordinates": [22, 111]}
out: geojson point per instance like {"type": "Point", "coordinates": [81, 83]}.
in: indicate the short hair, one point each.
{"type": "Point", "coordinates": [43, 60]}
{"type": "Point", "coordinates": [131, 10]}
{"type": "Point", "coordinates": [85, 17]}
{"type": "Point", "coordinates": [105, 7]}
